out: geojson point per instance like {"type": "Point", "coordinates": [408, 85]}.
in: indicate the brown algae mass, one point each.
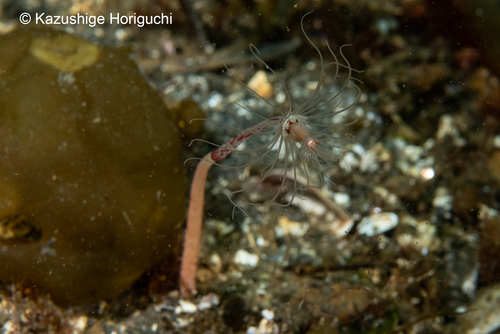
{"type": "Point", "coordinates": [91, 190]}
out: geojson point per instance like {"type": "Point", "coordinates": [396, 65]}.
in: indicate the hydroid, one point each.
{"type": "Point", "coordinates": [299, 142]}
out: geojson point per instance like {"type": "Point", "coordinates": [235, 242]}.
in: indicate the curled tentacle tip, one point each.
{"type": "Point", "coordinates": [197, 119]}
{"type": "Point", "coordinates": [189, 159]}
{"type": "Point", "coordinates": [253, 48]}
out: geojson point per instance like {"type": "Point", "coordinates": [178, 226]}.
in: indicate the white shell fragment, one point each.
{"type": "Point", "coordinates": [378, 223]}
{"type": "Point", "coordinates": [245, 260]}
{"type": "Point", "coordinates": [208, 301]}
{"type": "Point", "coordinates": [185, 306]}
{"type": "Point", "coordinates": [268, 314]}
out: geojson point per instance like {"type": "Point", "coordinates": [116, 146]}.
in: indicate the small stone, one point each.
{"type": "Point", "coordinates": [378, 223]}
{"type": "Point", "coordinates": [187, 306]}
{"type": "Point", "coordinates": [293, 228]}
{"type": "Point", "coordinates": [245, 260]}
{"type": "Point", "coordinates": [208, 301]}
{"type": "Point", "coordinates": [215, 263]}
{"type": "Point", "coordinates": [181, 323]}
{"type": "Point", "coordinates": [79, 324]}
{"type": "Point", "coordinates": [267, 327]}
{"type": "Point", "coordinates": [268, 314]}
{"type": "Point", "coordinates": [252, 330]}
{"type": "Point", "coordinates": [9, 327]}
{"type": "Point", "coordinates": [260, 84]}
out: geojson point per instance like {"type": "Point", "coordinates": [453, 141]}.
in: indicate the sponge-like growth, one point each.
{"type": "Point", "coordinates": [91, 190]}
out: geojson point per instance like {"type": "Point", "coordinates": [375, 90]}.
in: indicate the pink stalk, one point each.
{"type": "Point", "coordinates": [191, 250]}
{"type": "Point", "coordinates": [193, 230]}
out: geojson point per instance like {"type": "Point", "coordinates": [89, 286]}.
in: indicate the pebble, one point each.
{"type": "Point", "coordinates": [378, 223]}
{"type": "Point", "coordinates": [181, 323]}
{"type": "Point", "coordinates": [208, 301]}
{"type": "Point", "coordinates": [245, 260]}
{"type": "Point", "coordinates": [292, 228]}
{"type": "Point", "coordinates": [79, 324]}
{"type": "Point", "coordinates": [185, 306]}
{"type": "Point", "coordinates": [217, 102]}
{"type": "Point", "coordinates": [267, 327]}
{"type": "Point", "coordinates": [260, 84]}
{"type": "Point", "coordinates": [252, 330]}
{"type": "Point", "coordinates": [215, 263]}
{"type": "Point", "coordinates": [268, 314]}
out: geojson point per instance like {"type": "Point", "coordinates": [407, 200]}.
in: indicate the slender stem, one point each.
{"type": "Point", "coordinates": [193, 231]}
{"type": "Point", "coordinates": [189, 263]}
{"type": "Point", "coordinates": [229, 146]}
